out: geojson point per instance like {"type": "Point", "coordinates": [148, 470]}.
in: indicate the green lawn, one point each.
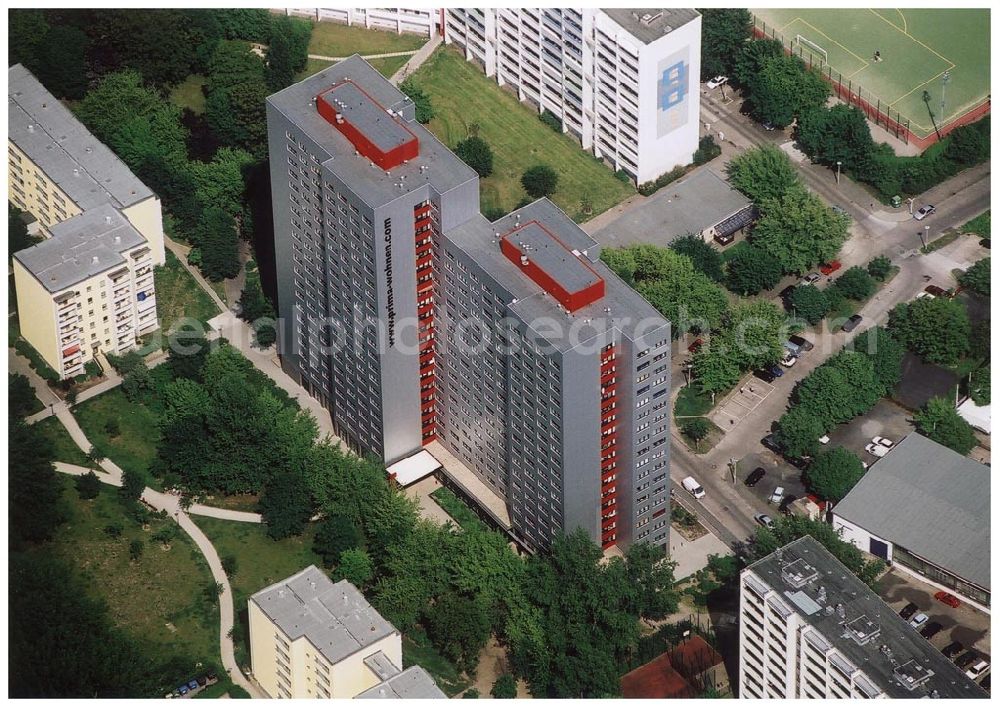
{"type": "Point", "coordinates": [980, 226]}
{"type": "Point", "coordinates": [331, 39]}
{"type": "Point", "coordinates": [160, 599]}
{"type": "Point", "coordinates": [917, 46]}
{"type": "Point", "coordinates": [178, 295]}
{"type": "Point", "coordinates": [458, 510]}
{"type": "Point", "coordinates": [418, 650]}
{"type": "Point", "coordinates": [260, 561]}
{"type": "Point", "coordinates": [387, 66]}
{"type": "Point", "coordinates": [462, 96]}
{"type": "Point", "coordinates": [63, 447]}
{"type": "Point", "coordinates": [692, 402]}
{"type": "Point", "coordinates": [189, 94]}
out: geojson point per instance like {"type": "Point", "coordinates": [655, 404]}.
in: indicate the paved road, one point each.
{"type": "Point", "coordinates": [875, 231]}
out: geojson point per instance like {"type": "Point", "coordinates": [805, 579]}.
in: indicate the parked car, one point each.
{"type": "Point", "coordinates": [192, 684]}
{"type": "Point", "coordinates": [828, 268]}
{"type": "Point", "coordinates": [764, 375]}
{"type": "Point", "coordinates": [754, 477]}
{"type": "Point", "coordinates": [693, 488]}
{"type": "Point", "coordinates": [777, 495]}
{"type": "Point", "coordinates": [852, 322]}
{"type": "Point", "coordinates": [717, 82]}
{"type": "Point", "coordinates": [919, 620]}
{"type": "Point", "coordinates": [985, 683]}
{"type": "Point", "coordinates": [907, 612]}
{"type": "Point", "coordinates": [935, 291]}
{"type": "Point", "coordinates": [696, 345]}
{"type": "Point", "coordinates": [924, 295]}
{"type": "Point", "coordinates": [966, 659]}
{"type": "Point", "coordinates": [202, 680]}
{"type": "Point", "coordinates": [182, 690]}
{"type": "Point", "coordinates": [877, 450]}
{"type": "Point", "coordinates": [947, 598]}
{"type": "Point", "coordinates": [952, 649]}
{"type": "Point", "coordinates": [767, 125]}
{"type": "Point", "coordinates": [786, 294]}
{"type": "Point", "coordinates": [212, 677]}
{"type": "Point", "coordinates": [811, 278]}
{"type": "Point", "coordinates": [931, 629]}
{"type": "Point", "coordinates": [924, 211]}
{"type": "Point", "coordinates": [771, 444]}
{"type": "Point", "coordinates": [764, 520]}
{"type": "Point", "coordinates": [884, 442]}
{"type": "Point", "coordinates": [789, 360]}
{"type": "Point", "coordinates": [776, 370]}
{"type": "Point", "coordinates": [802, 343]}
{"type": "Point", "coordinates": [978, 669]}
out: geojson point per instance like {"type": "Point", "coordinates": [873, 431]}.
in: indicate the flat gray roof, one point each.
{"type": "Point", "coordinates": [80, 248]}
{"type": "Point", "coordinates": [412, 683]}
{"type": "Point", "coordinates": [931, 501]}
{"type": "Point", "coordinates": [367, 116]}
{"type": "Point", "coordinates": [798, 571]}
{"type": "Point", "coordinates": [480, 241]}
{"type": "Point", "coordinates": [69, 154]}
{"type": "Point", "coordinates": [441, 168]}
{"type": "Point", "coordinates": [335, 617]}
{"type": "Point", "coordinates": [688, 206]}
{"type": "Point", "coordinates": [648, 24]}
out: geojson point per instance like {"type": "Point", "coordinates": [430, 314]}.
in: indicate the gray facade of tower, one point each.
{"type": "Point", "coordinates": [413, 318]}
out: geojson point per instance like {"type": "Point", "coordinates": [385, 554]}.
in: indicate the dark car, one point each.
{"type": "Point", "coordinates": [776, 370]}
{"type": "Point", "coordinates": [770, 443]}
{"type": "Point", "coordinates": [786, 502]}
{"type": "Point", "coordinates": [764, 375]}
{"type": "Point", "coordinates": [852, 322]}
{"type": "Point", "coordinates": [907, 612]}
{"type": "Point", "coordinates": [966, 659]}
{"type": "Point", "coordinates": [202, 680]}
{"type": "Point", "coordinates": [801, 342]}
{"type": "Point", "coordinates": [786, 294]}
{"type": "Point", "coordinates": [755, 476]}
{"type": "Point", "coordinates": [952, 649]}
{"type": "Point", "coordinates": [985, 683]}
{"type": "Point", "coordinates": [931, 629]}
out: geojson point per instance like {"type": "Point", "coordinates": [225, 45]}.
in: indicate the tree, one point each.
{"type": "Point", "coordinates": [855, 283]}
{"type": "Point", "coordinates": [937, 330]}
{"type": "Point", "coordinates": [62, 61]}
{"type": "Point", "coordinates": [539, 181]}
{"type": "Point", "coordinates": [88, 486]}
{"type": "Point", "coordinates": [752, 57]}
{"type": "Point", "coordinates": [810, 303]}
{"type": "Point", "coordinates": [26, 33]}
{"type": "Point", "coordinates": [715, 367]}
{"type": "Point", "coordinates": [222, 182]}
{"type": "Point", "coordinates": [622, 261]}
{"type": "Point", "coordinates": [705, 259]}
{"type": "Point", "coordinates": [476, 153]}
{"type": "Point", "coordinates": [288, 51]}
{"type": "Point", "coordinates": [34, 502]}
{"type": "Point", "coordinates": [251, 24]}
{"type": "Point", "coordinates": [750, 269]}
{"type": "Point", "coordinates": [233, 62]}
{"type": "Point", "coordinates": [356, 567]}
{"type": "Point", "coordinates": [979, 341]}
{"type": "Point", "coordinates": [783, 89]}
{"type": "Point", "coordinates": [285, 504]}
{"type": "Point", "coordinates": [651, 575]}
{"type": "Point", "coordinates": [504, 687]}
{"type": "Point", "coordinates": [707, 150]}
{"type": "Point", "coordinates": [459, 626]}
{"type": "Point", "coordinates": [217, 241]}
{"type": "Point", "coordinates": [977, 277]}
{"type": "Point", "coordinates": [421, 101]}
{"type": "Point", "coordinates": [724, 32]}
{"type": "Point", "coordinates": [763, 173]}
{"type": "Point", "coordinates": [799, 431]}
{"type": "Point", "coordinates": [18, 237]}
{"type": "Point", "coordinates": [335, 535]}
{"type": "Point", "coordinates": [879, 268]}
{"type": "Point", "coordinates": [799, 230]}
{"type": "Point", "coordinates": [842, 388]}
{"type": "Point", "coordinates": [236, 115]}
{"type": "Point", "coordinates": [21, 399]}
{"type": "Point", "coordinates": [840, 133]}
{"type": "Point", "coordinates": [135, 549]}
{"type": "Point", "coordinates": [759, 332]}
{"type": "Point", "coordinates": [695, 429]}
{"type": "Point", "coordinates": [133, 485]}
{"type": "Point", "coordinates": [939, 421]}
{"type": "Point", "coordinates": [886, 355]}
{"type": "Point", "coordinates": [833, 474]}
{"type": "Point", "coordinates": [253, 303]}
{"type": "Point", "coordinates": [188, 349]}
{"type": "Point", "coordinates": [686, 297]}
{"type": "Point", "coordinates": [969, 144]}
{"type": "Point", "coordinates": [979, 386]}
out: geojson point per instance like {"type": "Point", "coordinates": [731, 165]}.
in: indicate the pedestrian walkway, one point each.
{"type": "Point", "coordinates": [740, 403]}
{"type": "Point", "coordinates": [367, 56]}
{"type": "Point", "coordinates": [181, 251]}
{"type": "Point", "coordinates": [419, 57]}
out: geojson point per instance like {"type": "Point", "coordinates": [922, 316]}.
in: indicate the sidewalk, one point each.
{"type": "Point", "coordinates": [419, 57]}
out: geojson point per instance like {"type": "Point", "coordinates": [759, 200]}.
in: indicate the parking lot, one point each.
{"type": "Point", "coordinates": [886, 419]}
{"type": "Point", "coordinates": [778, 473]}
{"type": "Point", "coordinates": [963, 624]}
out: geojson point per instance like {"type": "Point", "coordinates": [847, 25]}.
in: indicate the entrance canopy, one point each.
{"type": "Point", "coordinates": [413, 468]}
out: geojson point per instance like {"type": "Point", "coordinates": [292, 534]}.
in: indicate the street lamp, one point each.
{"type": "Point", "coordinates": [838, 171]}
{"type": "Point", "coordinates": [945, 78]}
{"type": "Point", "coordinates": [927, 234]}
{"type": "Point", "coordinates": [910, 202]}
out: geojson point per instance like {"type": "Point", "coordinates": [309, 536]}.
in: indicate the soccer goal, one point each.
{"type": "Point", "coordinates": [811, 47]}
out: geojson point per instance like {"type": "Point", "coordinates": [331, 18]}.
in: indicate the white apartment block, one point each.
{"type": "Point", "coordinates": [422, 21]}
{"type": "Point", "coordinates": [809, 628]}
{"type": "Point", "coordinates": [313, 638]}
{"type": "Point", "coordinates": [622, 81]}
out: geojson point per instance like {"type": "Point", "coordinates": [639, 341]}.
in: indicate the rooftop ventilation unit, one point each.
{"type": "Point", "coordinates": [649, 18]}
{"type": "Point", "coordinates": [912, 675]}
{"type": "Point", "coordinates": [862, 630]}
{"type": "Point", "coordinates": [798, 573]}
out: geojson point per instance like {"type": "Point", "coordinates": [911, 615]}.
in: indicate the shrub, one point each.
{"type": "Point", "coordinates": [623, 177]}
{"type": "Point", "coordinates": [476, 153]}
{"type": "Point", "coordinates": [977, 277]}
{"type": "Point", "coordinates": [707, 150]}
{"type": "Point", "coordinates": [551, 119]}
{"type": "Point", "coordinates": [88, 486]}
{"type": "Point", "coordinates": [421, 101]}
{"type": "Point", "coordinates": [648, 188]}
{"type": "Point", "coordinates": [539, 181]}
{"type": "Point", "coordinates": [879, 267]}
{"type": "Point", "coordinates": [855, 284]}
{"type": "Point", "coordinates": [695, 429]}
{"type": "Point", "coordinates": [135, 549]}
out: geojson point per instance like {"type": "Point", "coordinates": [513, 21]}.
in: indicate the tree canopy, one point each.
{"type": "Point", "coordinates": [762, 173]}
{"type": "Point", "coordinates": [810, 303]}
{"type": "Point", "coordinates": [724, 32]}
{"type": "Point", "coordinates": [839, 133]}
{"type": "Point", "coordinates": [799, 230]}
{"type": "Point", "coordinates": [834, 473]}
{"type": "Point", "coordinates": [939, 421]}
{"type": "Point", "coordinates": [782, 90]}
{"type": "Point", "coordinates": [539, 181]}
{"type": "Point", "coordinates": [937, 330]}
{"type": "Point", "coordinates": [977, 277]}
{"type": "Point", "coordinates": [705, 259]}
{"type": "Point", "coordinates": [476, 153]}
{"type": "Point", "coordinates": [750, 269]}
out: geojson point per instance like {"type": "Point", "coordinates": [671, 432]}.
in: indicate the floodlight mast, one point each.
{"type": "Point", "coordinates": [945, 78]}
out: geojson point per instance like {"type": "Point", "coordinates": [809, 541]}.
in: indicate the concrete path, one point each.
{"type": "Point", "coordinates": [419, 57]}
{"type": "Point", "coordinates": [226, 514]}
{"type": "Point", "coordinates": [367, 56]}
{"type": "Point", "coordinates": [181, 251]}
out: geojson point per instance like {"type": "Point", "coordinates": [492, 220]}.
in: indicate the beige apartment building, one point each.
{"type": "Point", "coordinates": [313, 638]}
{"type": "Point", "coordinates": [89, 286]}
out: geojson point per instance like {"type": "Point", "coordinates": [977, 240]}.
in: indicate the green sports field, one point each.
{"type": "Point", "coordinates": [937, 51]}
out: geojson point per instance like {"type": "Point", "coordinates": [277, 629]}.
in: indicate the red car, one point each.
{"type": "Point", "coordinates": [696, 345]}
{"type": "Point", "coordinates": [830, 267]}
{"type": "Point", "coordinates": [947, 598]}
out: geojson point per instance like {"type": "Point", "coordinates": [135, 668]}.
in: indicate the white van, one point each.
{"type": "Point", "coordinates": [691, 484]}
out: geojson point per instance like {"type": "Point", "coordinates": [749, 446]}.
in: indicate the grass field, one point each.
{"type": "Point", "coordinates": [387, 66]}
{"type": "Point", "coordinates": [63, 447]}
{"type": "Point", "coordinates": [160, 599]}
{"type": "Point", "coordinates": [917, 47]}
{"type": "Point", "coordinates": [260, 561]}
{"type": "Point", "coordinates": [331, 39]}
{"type": "Point", "coordinates": [188, 94]}
{"type": "Point", "coordinates": [462, 96]}
{"type": "Point", "coordinates": [178, 295]}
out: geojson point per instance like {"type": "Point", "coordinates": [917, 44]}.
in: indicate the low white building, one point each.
{"type": "Point", "coordinates": [925, 509]}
